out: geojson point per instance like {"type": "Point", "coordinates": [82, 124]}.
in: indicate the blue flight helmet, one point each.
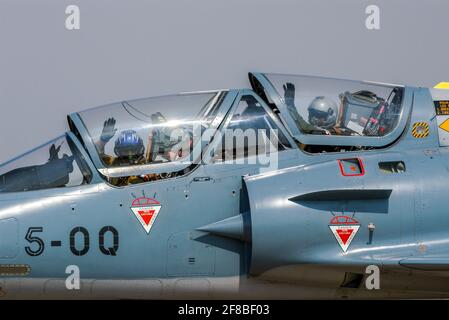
{"type": "Point", "coordinates": [129, 144]}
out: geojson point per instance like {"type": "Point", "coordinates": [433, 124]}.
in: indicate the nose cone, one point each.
{"type": "Point", "coordinates": [237, 227]}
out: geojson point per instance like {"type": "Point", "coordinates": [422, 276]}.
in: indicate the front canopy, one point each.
{"type": "Point", "coordinates": [124, 138]}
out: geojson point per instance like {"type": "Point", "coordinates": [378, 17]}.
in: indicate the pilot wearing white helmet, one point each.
{"type": "Point", "coordinates": [323, 113]}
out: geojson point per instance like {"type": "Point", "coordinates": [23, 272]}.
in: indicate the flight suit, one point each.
{"type": "Point", "coordinates": [124, 181]}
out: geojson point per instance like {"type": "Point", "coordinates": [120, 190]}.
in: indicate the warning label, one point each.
{"type": "Point", "coordinates": [344, 229]}
{"type": "Point", "coordinates": [146, 211]}
{"type": "Point", "coordinates": [442, 107]}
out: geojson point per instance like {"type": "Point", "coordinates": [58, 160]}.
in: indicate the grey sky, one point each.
{"type": "Point", "coordinates": [131, 49]}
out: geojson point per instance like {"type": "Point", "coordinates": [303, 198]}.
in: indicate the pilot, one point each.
{"type": "Point", "coordinates": [129, 150]}
{"type": "Point", "coordinates": [171, 144]}
{"type": "Point", "coordinates": [168, 143]}
{"type": "Point", "coordinates": [322, 113]}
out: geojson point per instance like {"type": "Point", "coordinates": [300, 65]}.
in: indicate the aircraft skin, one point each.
{"type": "Point", "coordinates": [239, 231]}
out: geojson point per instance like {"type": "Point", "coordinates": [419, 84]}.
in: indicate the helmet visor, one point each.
{"type": "Point", "coordinates": [313, 113]}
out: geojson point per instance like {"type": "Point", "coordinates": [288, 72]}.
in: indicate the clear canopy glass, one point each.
{"type": "Point", "coordinates": [151, 130]}
{"type": "Point", "coordinates": [55, 164]}
{"type": "Point", "coordinates": [339, 107]}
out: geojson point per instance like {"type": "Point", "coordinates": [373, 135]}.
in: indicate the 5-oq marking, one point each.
{"type": "Point", "coordinates": [37, 245]}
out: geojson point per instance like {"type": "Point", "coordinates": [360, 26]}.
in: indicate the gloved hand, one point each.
{"type": "Point", "coordinates": [289, 94]}
{"type": "Point", "coordinates": [108, 130]}
{"type": "Point", "coordinates": [54, 152]}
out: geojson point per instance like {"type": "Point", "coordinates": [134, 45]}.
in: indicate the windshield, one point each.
{"type": "Point", "coordinates": [55, 164]}
{"type": "Point", "coordinates": [150, 131]}
{"type": "Point", "coordinates": [339, 107]}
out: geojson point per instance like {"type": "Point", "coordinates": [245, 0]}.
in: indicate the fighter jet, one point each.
{"type": "Point", "coordinates": [297, 187]}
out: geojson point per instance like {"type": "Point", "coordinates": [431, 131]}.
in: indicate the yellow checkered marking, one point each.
{"type": "Point", "coordinates": [420, 130]}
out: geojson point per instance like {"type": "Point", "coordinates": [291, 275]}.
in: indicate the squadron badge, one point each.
{"type": "Point", "coordinates": [146, 211]}
{"type": "Point", "coordinates": [344, 229]}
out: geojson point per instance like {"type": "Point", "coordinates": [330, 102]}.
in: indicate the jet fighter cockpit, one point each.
{"type": "Point", "coordinates": [147, 139]}
{"type": "Point", "coordinates": [128, 142]}
{"type": "Point", "coordinates": [333, 112]}
{"type": "Point", "coordinates": [142, 140]}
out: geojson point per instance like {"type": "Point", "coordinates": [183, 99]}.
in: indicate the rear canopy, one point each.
{"type": "Point", "coordinates": [335, 112]}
